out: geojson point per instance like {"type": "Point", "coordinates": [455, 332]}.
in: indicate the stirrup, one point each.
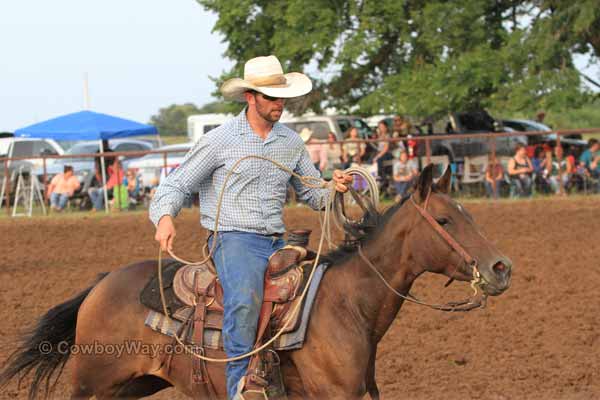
{"type": "Point", "coordinates": [250, 394]}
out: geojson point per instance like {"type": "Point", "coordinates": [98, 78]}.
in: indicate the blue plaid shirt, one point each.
{"type": "Point", "coordinates": [256, 191]}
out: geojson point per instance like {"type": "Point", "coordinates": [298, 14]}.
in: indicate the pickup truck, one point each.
{"type": "Point", "coordinates": [573, 144]}
{"type": "Point", "coordinates": [465, 123]}
{"type": "Point", "coordinates": [13, 147]}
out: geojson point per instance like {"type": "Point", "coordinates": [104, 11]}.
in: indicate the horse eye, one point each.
{"type": "Point", "coordinates": [442, 221]}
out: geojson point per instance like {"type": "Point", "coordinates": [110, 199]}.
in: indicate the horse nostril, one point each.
{"type": "Point", "coordinates": [500, 268]}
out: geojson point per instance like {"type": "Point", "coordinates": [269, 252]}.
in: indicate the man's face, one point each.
{"type": "Point", "coordinates": [595, 147]}
{"type": "Point", "coordinates": [558, 151]}
{"type": "Point", "coordinates": [403, 156]}
{"type": "Point", "coordinates": [69, 173]}
{"type": "Point", "coordinates": [267, 107]}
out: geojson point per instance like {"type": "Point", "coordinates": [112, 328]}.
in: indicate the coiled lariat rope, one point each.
{"type": "Point", "coordinates": [309, 181]}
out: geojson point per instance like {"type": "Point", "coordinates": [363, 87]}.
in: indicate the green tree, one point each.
{"type": "Point", "coordinates": [172, 120]}
{"type": "Point", "coordinates": [218, 107]}
{"type": "Point", "coordinates": [417, 57]}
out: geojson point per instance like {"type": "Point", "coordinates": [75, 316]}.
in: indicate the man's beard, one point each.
{"type": "Point", "coordinates": [268, 116]}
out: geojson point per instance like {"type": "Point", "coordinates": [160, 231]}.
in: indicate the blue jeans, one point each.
{"type": "Point", "coordinates": [402, 187]}
{"type": "Point", "coordinates": [97, 197]}
{"type": "Point", "coordinates": [241, 260]}
{"type": "Point", "coordinates": [523, 185]}
{"type": "Point", "coordinates": [59, 200]}
{"type": "Point", "coordinates": [492, 192]}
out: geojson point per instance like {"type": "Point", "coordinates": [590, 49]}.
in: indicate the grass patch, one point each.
{"type": "Point", "coordinates": [175, 139]}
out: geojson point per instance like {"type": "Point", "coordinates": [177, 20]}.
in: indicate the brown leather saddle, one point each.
{"type": "Point", "coordinates": [198, 288]}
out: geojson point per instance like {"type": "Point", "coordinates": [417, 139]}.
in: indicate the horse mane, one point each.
{"type": "Point", "coordinates": [369, 226]}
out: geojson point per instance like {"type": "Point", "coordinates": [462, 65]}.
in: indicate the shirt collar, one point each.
{"type": "Point", "coordinates": [243, 127]}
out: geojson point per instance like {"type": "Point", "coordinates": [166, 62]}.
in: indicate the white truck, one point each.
{"type": "Point", "coordinates": [199, 124]}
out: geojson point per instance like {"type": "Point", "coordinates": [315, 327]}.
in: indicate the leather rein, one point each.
{"type": "Point", "coordinates": [465, 305]}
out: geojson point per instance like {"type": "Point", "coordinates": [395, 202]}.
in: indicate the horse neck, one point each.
{"type": "Point", "coordinates": [373, 304]}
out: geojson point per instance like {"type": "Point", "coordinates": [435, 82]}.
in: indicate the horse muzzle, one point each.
{"type": "Point", "coordinates": [496, 278]}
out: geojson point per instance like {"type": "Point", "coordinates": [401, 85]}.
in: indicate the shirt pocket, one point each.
{"type": "Point", "coordinates": [240, 175]}
{"type": "Point", "coordinates": [281, 175]}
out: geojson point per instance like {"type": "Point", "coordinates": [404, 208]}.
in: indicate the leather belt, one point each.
{"type": "Point", "coordinates": [271, 235]}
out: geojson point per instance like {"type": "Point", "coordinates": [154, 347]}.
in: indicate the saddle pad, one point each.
{"type": "Point", "coordinates": [212, 338]}
{"type": "Point", "coordinates": [150, 295]}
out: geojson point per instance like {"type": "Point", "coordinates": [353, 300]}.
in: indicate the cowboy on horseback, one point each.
{"type": "Point", "coordinates": [250, 224]}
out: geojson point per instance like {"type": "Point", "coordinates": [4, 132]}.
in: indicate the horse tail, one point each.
{"type": "Point", "coordinates": [46, 347]}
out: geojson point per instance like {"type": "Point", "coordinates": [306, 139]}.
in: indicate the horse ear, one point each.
{"type": "Point", "coordinates": [443, 185]}
{"type": "Point", "coordinates": [425, 181]}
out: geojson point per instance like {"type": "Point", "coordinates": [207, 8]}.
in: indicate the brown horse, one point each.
{"type": "Point", "coordinates": [353, 310]}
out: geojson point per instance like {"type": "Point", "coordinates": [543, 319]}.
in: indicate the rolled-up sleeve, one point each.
{"type": "Point", "coordinates": [316, 198]}
{"type": "Point", "coordinates": [197, 165]}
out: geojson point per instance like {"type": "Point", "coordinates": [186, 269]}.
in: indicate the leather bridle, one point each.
{"type": "Point", "coordinates": [465, 305]}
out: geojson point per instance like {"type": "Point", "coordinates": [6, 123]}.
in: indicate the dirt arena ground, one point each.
{"type": "Point", "coordinates": [540, 340]}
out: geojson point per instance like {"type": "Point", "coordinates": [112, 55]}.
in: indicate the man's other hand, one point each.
{"type": "Point", "coordinates": [341, 181]}
{"type": "Point", "coordinates": [165, 233]}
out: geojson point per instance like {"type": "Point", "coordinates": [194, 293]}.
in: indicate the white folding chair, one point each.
{"type": "Point", "coordinates": [474, 170]}
{"type": "Point", "coordinates": [440, 163]}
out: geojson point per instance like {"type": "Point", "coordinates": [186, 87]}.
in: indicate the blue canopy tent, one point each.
{"type": "Point", "coordinates": [87, 125]}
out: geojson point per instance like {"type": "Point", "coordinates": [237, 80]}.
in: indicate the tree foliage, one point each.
{"type": "Point", "coordinates": [172, 120]}
{"type": "Point", "coordinates": [419, 57]}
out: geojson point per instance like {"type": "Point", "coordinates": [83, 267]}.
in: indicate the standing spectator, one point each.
{"type": "Point", "coordinates": [383, 148]}
{"type": "Point", "coordinates": [317, 150]}
{"type": "Point", "coordinates": [61, 188]}
{"type": "Point", "coordinates": [494, 176]}
{"type": "Point", "coordinates": [520, 170]}
{"type": "Point", "coordinates": [353, 152]}
{"type": "Point", "coordinates": [540, 116]}
{"type": "Point", "coordinates": [560, 171]}
{"type": "Point", "coordinates": [405, 172]}
{"type": "Point", "coordinates": [401, 127]}
{"type": "Point", "coordinates": [333, 156]}
{"type": "Point", "coordinates": [591, 158]}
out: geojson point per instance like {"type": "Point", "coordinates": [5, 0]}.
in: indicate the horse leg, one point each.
{"type": "Point", "coordinates": [112, 342]}
{"type": "Point", "coordinates": [372, 388]}
{"type": "Point", "coordinates": [319, 380]}
{"type": "Point", "coordinates": [140, 387]}
{"type": "Point", "coordinates": [80, 393]}
{"type": "Point", "coordinates": [291, 378]}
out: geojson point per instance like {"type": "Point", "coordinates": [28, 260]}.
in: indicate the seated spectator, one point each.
{"type": "Point", "coordinates": [133, 184]}
{"type": "Point", "coordinates": [61, 188]}
{"type": "Point", "coordinates": [152, 188]}
{"type": "Point", "coordinates": [405, 172]}
{"type": "Point", "coordinates": [560, 171]}
{"type": "Point", "coordinates": [520, 170]}
{"type": "Point", "coordinates": [541, 165]}
{"type": "Point", "coordinates": [96, 192]}
{"type": "Point", "coordinates": [494, 176]}
{"type": "Point", "coordinates": [353, 152]}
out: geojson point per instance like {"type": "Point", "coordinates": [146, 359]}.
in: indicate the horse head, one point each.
{"type": "Point", "coordinates": [449, 240]}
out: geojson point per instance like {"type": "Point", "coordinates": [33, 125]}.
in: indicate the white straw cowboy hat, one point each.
{"type": "Point", "coordinates": [265, 75]}
{"type": "Point", "coordinates": [306, 134]}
